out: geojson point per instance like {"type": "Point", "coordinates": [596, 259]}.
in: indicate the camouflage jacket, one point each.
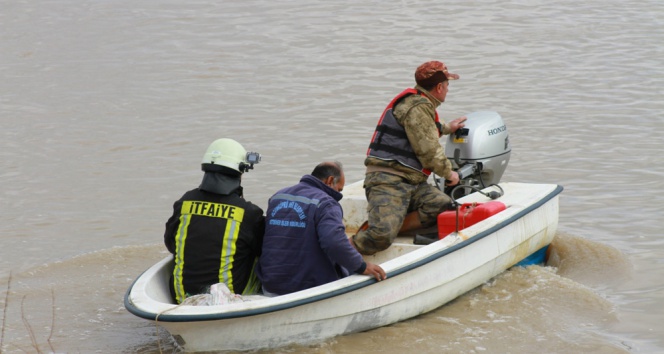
{"type": "Point", "coordinates": [417, 115]}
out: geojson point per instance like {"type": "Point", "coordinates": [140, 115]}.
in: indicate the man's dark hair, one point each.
{"type": "Point", "coordinates": [327, 169]}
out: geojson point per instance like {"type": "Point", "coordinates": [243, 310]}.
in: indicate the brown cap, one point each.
{"type": "Point", "coordinates": [426, 74]}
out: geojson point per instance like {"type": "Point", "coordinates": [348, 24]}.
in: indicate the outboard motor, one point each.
{"type": "Point", "coordinates": [479, 152]}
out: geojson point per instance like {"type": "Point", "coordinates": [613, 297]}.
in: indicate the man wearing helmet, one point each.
{"type": "Point", "coordinates": [404, 150]}
{"type": "Point", "coordinates": [214, 234]}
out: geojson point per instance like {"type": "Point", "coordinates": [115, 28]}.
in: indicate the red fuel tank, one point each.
{"type": "Point", "coordinates": [469, 214]}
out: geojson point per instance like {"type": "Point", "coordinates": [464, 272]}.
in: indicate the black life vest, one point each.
{"type": "Point", "coordinates": [390, 142]}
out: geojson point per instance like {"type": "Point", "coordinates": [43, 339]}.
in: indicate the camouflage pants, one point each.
{"type": "Point", "coordinates": [390, 199]}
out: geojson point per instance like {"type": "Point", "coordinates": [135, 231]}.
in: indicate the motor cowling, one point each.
{"type": "Point", "coordinates": [479, 152]}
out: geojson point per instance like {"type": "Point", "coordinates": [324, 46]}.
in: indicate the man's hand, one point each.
{"type": "Point", "coordinates": [457, 123]}
{"type": "Point", "coordinates": [453, 180]}
{"type": "Point", "coordinates": [376, 271]}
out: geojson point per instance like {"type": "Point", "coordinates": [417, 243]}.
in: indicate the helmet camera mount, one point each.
{"type": "Point", "coordinates": [251, 158]}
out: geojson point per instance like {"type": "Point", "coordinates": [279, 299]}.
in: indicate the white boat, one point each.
{"type": "Point", "coordinates": [420, 278]}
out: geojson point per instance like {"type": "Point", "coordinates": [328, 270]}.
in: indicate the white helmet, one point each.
{"type": "Point", "coordinates": [229, 153]}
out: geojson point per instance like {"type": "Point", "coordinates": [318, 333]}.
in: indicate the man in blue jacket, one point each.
{"type": "Point", "coordinates": [305, 242]}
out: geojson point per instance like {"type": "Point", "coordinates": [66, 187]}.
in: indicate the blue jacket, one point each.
{"type": "Point", "coordinates": [305, 243]}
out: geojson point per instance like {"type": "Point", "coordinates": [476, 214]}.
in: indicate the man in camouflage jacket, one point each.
{"type": "Point", "coordinates": [404, 150]}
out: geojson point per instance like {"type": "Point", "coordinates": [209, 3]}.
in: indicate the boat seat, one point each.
{"type": "Point", "coordinates": [397, 249]}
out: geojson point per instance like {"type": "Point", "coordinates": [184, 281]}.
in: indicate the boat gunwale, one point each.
{"type": "Point", "coordinates": [165, 317]}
